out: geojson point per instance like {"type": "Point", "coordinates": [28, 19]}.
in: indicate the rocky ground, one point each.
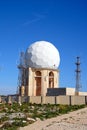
{"type": "Point", "coordinates": [76, 120]}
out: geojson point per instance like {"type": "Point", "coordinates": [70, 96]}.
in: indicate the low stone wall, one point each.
{"type": "Point", "coordinates": [63, 100]}
{"type": "Point", "coordinates": [35, 99]}
{"type": "Point", "coordinates": [66, 100]}
{"type": "Point", "coordinates": [48, 99]}
{"type": "Point", "coordinates": [78, 100]}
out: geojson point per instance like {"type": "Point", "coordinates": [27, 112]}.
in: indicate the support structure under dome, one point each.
{"type": "Point", "coordinates": [39, 80]}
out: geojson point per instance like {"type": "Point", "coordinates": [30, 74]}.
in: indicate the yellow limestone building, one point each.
{"type": "Point", "coordinates": [40, 69]}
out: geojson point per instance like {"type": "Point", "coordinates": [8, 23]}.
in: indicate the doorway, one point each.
{"type": "Point", "coordinates": [38, 83]}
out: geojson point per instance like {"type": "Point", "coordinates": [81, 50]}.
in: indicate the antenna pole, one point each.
{"type": "Point", "coordinates": [78, 71]}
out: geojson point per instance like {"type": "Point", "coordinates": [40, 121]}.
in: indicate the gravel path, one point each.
{"type": "Point", "coordinates": [76, 120]}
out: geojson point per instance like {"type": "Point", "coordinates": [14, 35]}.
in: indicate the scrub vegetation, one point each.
{"type": "Point", "coordinates": [16, 115]}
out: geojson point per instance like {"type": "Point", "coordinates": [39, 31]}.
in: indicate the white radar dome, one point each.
{"type": "Point", "coordinates": [42, 54]}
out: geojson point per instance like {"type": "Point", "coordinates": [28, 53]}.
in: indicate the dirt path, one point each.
{"type": "Point", "coordinates": [76, 120]}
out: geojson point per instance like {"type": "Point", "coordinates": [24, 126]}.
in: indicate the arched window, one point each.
{"type": "Point", "coordinates": [51, 80]}
{"type": "Point", "coordinates": [38, 83]}
{"type": "Point", "coordinates": [37, 73]}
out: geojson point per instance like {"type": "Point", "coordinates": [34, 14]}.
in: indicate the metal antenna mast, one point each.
{"type": "Point", "coordinates": [78, 71]}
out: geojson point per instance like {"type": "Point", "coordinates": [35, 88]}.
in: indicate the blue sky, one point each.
{"type": "Point", "coordinates": [62, 22]}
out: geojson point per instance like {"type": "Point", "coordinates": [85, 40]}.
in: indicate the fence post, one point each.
{"type": "Point", "coordinates": [9, 100]}
{"type": "Point", "coordinates": [42, 99]}
{"type": "Point", "coordinates": [85, 100]}
{"type": "Point", "coordinates": [55, 100]}
{"type": "Point", "coordinates": [0, 99]}
{"type": "Point", "coordinates": [70, 103]}
{"type": "Point", "coordinates": [19, 99]}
